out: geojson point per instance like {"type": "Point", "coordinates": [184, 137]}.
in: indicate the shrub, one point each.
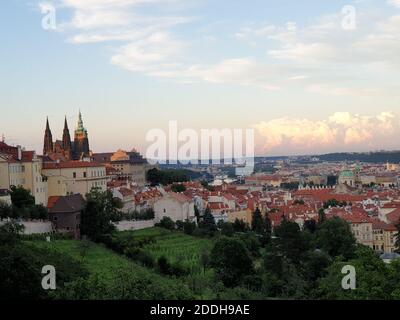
{"type": "Point", "coordinates": [166, 223]}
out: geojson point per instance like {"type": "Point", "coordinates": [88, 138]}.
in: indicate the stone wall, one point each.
{"type": "Point", "coordinates": [34, 227]}
{"type": "Point", "coordinates": [126, 225]}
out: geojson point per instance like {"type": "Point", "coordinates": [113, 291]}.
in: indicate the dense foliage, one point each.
{"type": "Point", "coordinates": [23, 206]}
{"type": "Point", "coordinates": [170, 176]}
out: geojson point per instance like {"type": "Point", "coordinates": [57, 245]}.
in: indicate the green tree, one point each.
{"type": "Point", "coordinates": [372, 278]}
{"type": "Point", "coordinates": [267, 234]}
{"type": "Point", "coordinates": [290, 241]}
{"type": "Point", "coordinates": [240, 226]}
{"type": "Point", "coordinates": [257, 224]}
{"type": "Point", "coordinates": [167, 223]}
{"type": "Point", "coordinates": [100, 211]}
{"type": "Point", "coordinates": [227, 229]}
{"type": "Point", "coordinates": [231, 261]}
{"type": "Point", "coordinates": [321, 216]}
{"type": "Point", "coordinates": [21, 197]}
{"type": "Point", "coordinates": [334, 236]}
{"type": "Point", "coordinates": [6, 211]}
{"type": "Point", "coordinates": [178, 188]}
{"type": "Point", "coordinates": [208, 222]}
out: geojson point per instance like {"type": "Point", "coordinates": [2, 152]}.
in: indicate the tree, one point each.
{"type": "Point", "coordinates": [231, 261]}
{"type": "Point", "coordinates": [267, 230]}
{"type": "Point", "coordinates": [208, 223]}
{"type": "Point", "coordinates": [321, 215]}
{"type": "Point", "coordinates": [310, 226]}
{"type": "Point", "coordinates": [334, 236]}
{"type": "Point", "coordinates": [257, 224]}
{"type": "Point", "coordinates": [167, 223]}
{"type": "Point", "coordinates": [331, 203]}
{"type": "Point", "coordinates": [178, 188]}
{"type": "Point", "coordinates": [227, 229]}
{"type": "Point", "coordinates": [373, 278]}
{"type": "Point", "coordinates": [21, 197]}
{"type": "Point", "coordinates": [240, 226]}
{"type": "Point", "coordinates": [100, 211]}
{"type": "Point", "coordinates": [291, 242]}
{"type": "Point", "coordinates": [205, 260]}
{"type": "Point", "coordinates": [6, 210]}
{"type": "Point", "coordinates": [189, 227]}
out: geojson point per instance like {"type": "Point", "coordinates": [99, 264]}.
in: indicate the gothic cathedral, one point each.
{"type": "Point", "coordinates": [65, 149]}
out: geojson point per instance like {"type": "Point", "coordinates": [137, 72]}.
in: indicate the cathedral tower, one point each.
{"type": "Point", "coordinates": [48, 140]}
{"type": "Point", "coordinates": [66, 141]}
{"type": "Point", "coordinates": [81, 141]}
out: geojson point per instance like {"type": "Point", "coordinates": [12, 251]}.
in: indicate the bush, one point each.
{"type": "Point", "coordinates": [189, 227]}
{"type": "Point", "coordinates": [169, 269]}
{"type": "Point", "coordinates": [166, 223]}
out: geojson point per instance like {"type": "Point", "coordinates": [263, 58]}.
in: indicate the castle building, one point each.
{"type": "Point", "coordinates": [65, 149]}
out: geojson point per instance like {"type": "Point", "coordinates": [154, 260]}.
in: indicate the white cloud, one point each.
{"type": "Point", "coordinates": [341, 130]}
{"type": "Point", "coordinates": [395, 3]}
{"type": "Point", "coordinates": [318, 55]}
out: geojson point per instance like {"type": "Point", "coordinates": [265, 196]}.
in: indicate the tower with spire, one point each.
{"type": "Point", "coordinates": [81, 140]}
{"type": "Point", "coordinates": [48, 140]}
{"type": "Point", "coordinates": [66, 141]}
{"type": "Point", "coordinates": [65, 149]}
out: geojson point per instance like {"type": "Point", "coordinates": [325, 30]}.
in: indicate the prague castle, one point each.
{"type": "Point", "coordinates": [66, 149]}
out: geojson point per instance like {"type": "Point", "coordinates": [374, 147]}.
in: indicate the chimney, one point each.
{"type": "Point", "coordinates": [19, 153]}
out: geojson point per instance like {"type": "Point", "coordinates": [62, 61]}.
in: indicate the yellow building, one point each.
{"type": "Point", "coordinates": [384, 236]}
{"type": "Point", "coordinates": [74, 177]}
{"type": "Point", "coordinates": [22, 168]}
{"type": "Point", "coordinates": [128, 165]}
{"type": "Point", "coordinates": [244, 215]}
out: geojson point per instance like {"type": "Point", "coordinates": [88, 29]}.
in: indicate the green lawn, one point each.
{"type": "Point", "coordinates": [175, 246]}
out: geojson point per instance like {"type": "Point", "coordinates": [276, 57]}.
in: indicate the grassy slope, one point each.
{"type": "Point", "coordinates": [102, 262]}
{"type": "Point", "coordinates": [175, 246]}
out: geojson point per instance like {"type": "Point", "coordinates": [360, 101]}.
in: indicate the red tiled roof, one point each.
{"type": "Point", "coordinates": [394, 217]}
{"type": "Point", "coordinates": [52, 201]}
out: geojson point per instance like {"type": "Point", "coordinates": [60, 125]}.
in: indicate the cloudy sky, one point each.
{"type": "Point", "coordinates": [309, 76]}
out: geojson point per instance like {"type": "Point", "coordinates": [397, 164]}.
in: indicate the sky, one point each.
{"type": "Point", "coordinates": [308, 76]}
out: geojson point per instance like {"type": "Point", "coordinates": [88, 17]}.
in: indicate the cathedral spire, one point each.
{"type": "Point", "coordinates": [65, 123]}
{"type": "Point", "coordinates": [48, 139]}
{"type": "Point", "coordinates": [81, 141]}
{"type": "Point", "coordinates": [80, 122]}
{"type": "Point", "coordinates": [66, 141]}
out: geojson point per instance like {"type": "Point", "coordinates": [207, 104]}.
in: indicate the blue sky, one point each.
{"type": "Point", "coordinates": [287, 68]}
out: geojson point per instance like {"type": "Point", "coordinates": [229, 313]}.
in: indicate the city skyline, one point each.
{"type": "Point", "coordinates": [291, 71]}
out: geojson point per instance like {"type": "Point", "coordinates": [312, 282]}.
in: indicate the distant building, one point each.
{"type": "Point", "coordinates": [347, 177]}
{"type": "Point", "coordinates": [128, 165]}
{"type": "Point", "coordinates": [176, 206]}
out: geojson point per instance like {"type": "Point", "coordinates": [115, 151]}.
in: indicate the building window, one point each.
{"type": "Point", "coordinates": [74, 175]}
{"type": "Point", "coordinates": [84, 174]}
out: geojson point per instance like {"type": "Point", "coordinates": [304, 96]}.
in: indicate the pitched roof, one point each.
{"type": "Point", "coordinates": [66, 204]}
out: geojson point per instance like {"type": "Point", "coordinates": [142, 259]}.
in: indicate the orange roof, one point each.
{"type": "Point", "coordinates": [52, 201]}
